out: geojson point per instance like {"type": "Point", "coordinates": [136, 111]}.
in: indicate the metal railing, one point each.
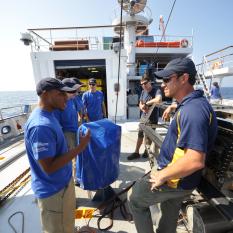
{"type": "Point", "coordinates": [13, 111]}
{"type": "Point", "coordinates": [95, 38]}
{"type": "Point", "coordinates": [217, 60]}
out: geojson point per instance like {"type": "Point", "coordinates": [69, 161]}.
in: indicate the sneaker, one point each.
{"type": "Point", "coordinates": [133, 156]}
{"type": "Point", "coordinates": [145, 154]}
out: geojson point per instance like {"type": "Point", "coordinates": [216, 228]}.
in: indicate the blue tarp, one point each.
{"type": "Point", "coordinates": [98, 165]}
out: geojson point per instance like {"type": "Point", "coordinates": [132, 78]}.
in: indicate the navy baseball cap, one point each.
{"type": "Point", "coordinates": [70, 82]}
{"type": "Point", "coordinates": [178, 66]}
{"type": "Point", "coordinates": [92, 81]}
{"type": "Point", "coordinates": [48, 84]}
{"type": "Point", "coordinates": [77, 81]}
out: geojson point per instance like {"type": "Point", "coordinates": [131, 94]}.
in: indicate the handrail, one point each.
{"type": "Point", "coordinates": [214, 59]}
{"type": "Point", "coordinates": [21, 110]}
{"type": "Point", "coordinates": [70, 28]}
{"type": "Point", "coordinates": [221, 50]}
{"type": "Point", "coordinates": [218, 51]}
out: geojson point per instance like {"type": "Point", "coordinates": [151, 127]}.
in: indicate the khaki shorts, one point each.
{"type": "Point", "coordinates": [57, 212]}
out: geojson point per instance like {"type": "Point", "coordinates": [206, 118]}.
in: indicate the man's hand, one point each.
{"type": "Point", "coordinates": [168, 110]}
{"type": "Point", "coordinates": [145, 108]}
{"type": "Point", "coordinates": [156, 180]}
{"type": "Point", "coordinates": [166, 113]}
{"type": "Point", "coordinates": [84, 139]}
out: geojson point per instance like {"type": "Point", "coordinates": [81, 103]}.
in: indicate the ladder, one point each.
{"type": "Point", "coordinates": [202, 78]}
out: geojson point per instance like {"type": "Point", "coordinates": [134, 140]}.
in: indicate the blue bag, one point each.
{"type": "Point", "coordinates": [98, 165]}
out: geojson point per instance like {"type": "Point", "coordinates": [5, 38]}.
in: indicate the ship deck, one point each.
{"type": "Point", "coordinates": [24, 200]}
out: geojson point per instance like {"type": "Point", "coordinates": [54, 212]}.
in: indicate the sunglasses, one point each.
{"type": "Point", "coordinates": [168, 79]}
{"type": "Point", "coordinates": [92, 84]}
{"type": "Point", "coordinates": [144, 83]}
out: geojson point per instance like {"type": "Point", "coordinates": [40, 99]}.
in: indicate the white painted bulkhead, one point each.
{"type": "Point", "coordinates": [43, 66]}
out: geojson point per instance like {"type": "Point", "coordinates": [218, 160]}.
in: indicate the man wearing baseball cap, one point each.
{"type": "Point", "coordinates": [93, 101]}
{"type": "Point", "coordinates": [190, 137]}
{"type": "Point", "coordinates": [68, 117]}
{"type": "Point", "coordinates": [50, 159]}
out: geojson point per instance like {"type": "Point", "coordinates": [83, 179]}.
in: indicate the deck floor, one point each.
{"type": "Point", "coordinates": [25, 201]}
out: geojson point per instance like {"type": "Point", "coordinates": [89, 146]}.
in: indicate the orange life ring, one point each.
{"type": "Point", "coordinates": [184, 43]}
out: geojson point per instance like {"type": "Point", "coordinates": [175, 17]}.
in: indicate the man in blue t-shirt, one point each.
{"type": "Point", "coordinates": [68, 117]}
{"type": "Point", "coordinates": [50, 159]}
{"type": "Point", "coordinates": [93, 101]}
{"type": "Point", "coordinates": [81, 110]}
{"type": "Point", "coordinates": [215, 94]}
{"type": "Point", "coordinates": [190, 137]}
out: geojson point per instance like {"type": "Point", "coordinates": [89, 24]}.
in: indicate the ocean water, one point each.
{"type": "Point", "coordinates": [227, 92]}
{"type": "Point", "coordinates": [16, 98]}
{"type": "Point", "coordinates": [13, 100]}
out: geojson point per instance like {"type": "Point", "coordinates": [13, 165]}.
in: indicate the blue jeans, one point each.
{"type": "Point", "coordinates": [141, 198]}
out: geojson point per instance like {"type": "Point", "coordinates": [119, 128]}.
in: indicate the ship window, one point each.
{"type": "Point", "coordinates": [6, 129]}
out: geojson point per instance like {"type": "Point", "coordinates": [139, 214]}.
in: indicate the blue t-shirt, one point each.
{"type": "Point", "coordinates": [194, 126]}
{"type": "Point", "coordinates": [93, 103]}
{"type": "Point", "coordinates": [215, 93]}
{"type": "Point", "coordinates": [68, 118]}
{"type": "Point", "coordinates": [79, 104]}
{"type": "Point", "coordinates": [146, 96]}
{"type": "Point", "coordinates": [43, 139]}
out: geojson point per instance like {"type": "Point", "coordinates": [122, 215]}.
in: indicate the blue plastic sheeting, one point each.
{"type": "Point", "coordinates": [98, 165]}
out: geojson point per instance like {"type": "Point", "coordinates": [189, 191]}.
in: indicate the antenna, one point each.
{"type": "Point", "coordinates": [162, 27]}
{"type": "Point", "coordinates": [134, 22]}
{"type": "Point", "coordinates": [133, 6]}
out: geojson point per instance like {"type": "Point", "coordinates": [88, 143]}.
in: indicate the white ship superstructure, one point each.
{"type": "Point", "coordinates": [95, 51]}
{"type": "Point", "coordinates": [117, 55]}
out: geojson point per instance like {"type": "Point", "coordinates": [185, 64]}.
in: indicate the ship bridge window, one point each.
{"type": "Point", "coordinates": [6, 129]}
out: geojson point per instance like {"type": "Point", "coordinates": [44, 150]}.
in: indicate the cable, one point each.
{"type": "Point", "coordinates": [22, 214]}
{"type": "Point", "coordinates": [119, 62]}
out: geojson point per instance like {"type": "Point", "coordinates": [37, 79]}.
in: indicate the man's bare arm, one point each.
{"type": "Point", "coordinates": [168, 110]}
{"type": "Point", "coordinates": [156, 100]}
{"type": "Point", "coordinates": [51, 165]}
{"type": "Point", "coordinates": [104, 109]}
{"type": "Point", "coordinates": [191, 162]}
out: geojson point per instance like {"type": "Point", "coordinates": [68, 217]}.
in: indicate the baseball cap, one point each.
{"type": "Point", "coordinates": [70, 82]}
{"type": "Point", "coordinates": [177, 66]}
{"type": "Point", "coordinates": [92, 81]}
{"type": "Point", "coordinates": [77, 81]}
{"type": "Point", "coordinates": [48, 84]}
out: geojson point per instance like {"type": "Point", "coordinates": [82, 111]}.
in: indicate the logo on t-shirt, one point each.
{"type": "Point", "coordinates": [40, 146]}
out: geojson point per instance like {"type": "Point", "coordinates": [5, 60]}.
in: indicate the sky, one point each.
{"type": "Point", "coordinates": [210, 21]}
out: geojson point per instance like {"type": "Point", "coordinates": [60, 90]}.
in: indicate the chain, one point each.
{"type": "Point", "coordinates": [12, 187]}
